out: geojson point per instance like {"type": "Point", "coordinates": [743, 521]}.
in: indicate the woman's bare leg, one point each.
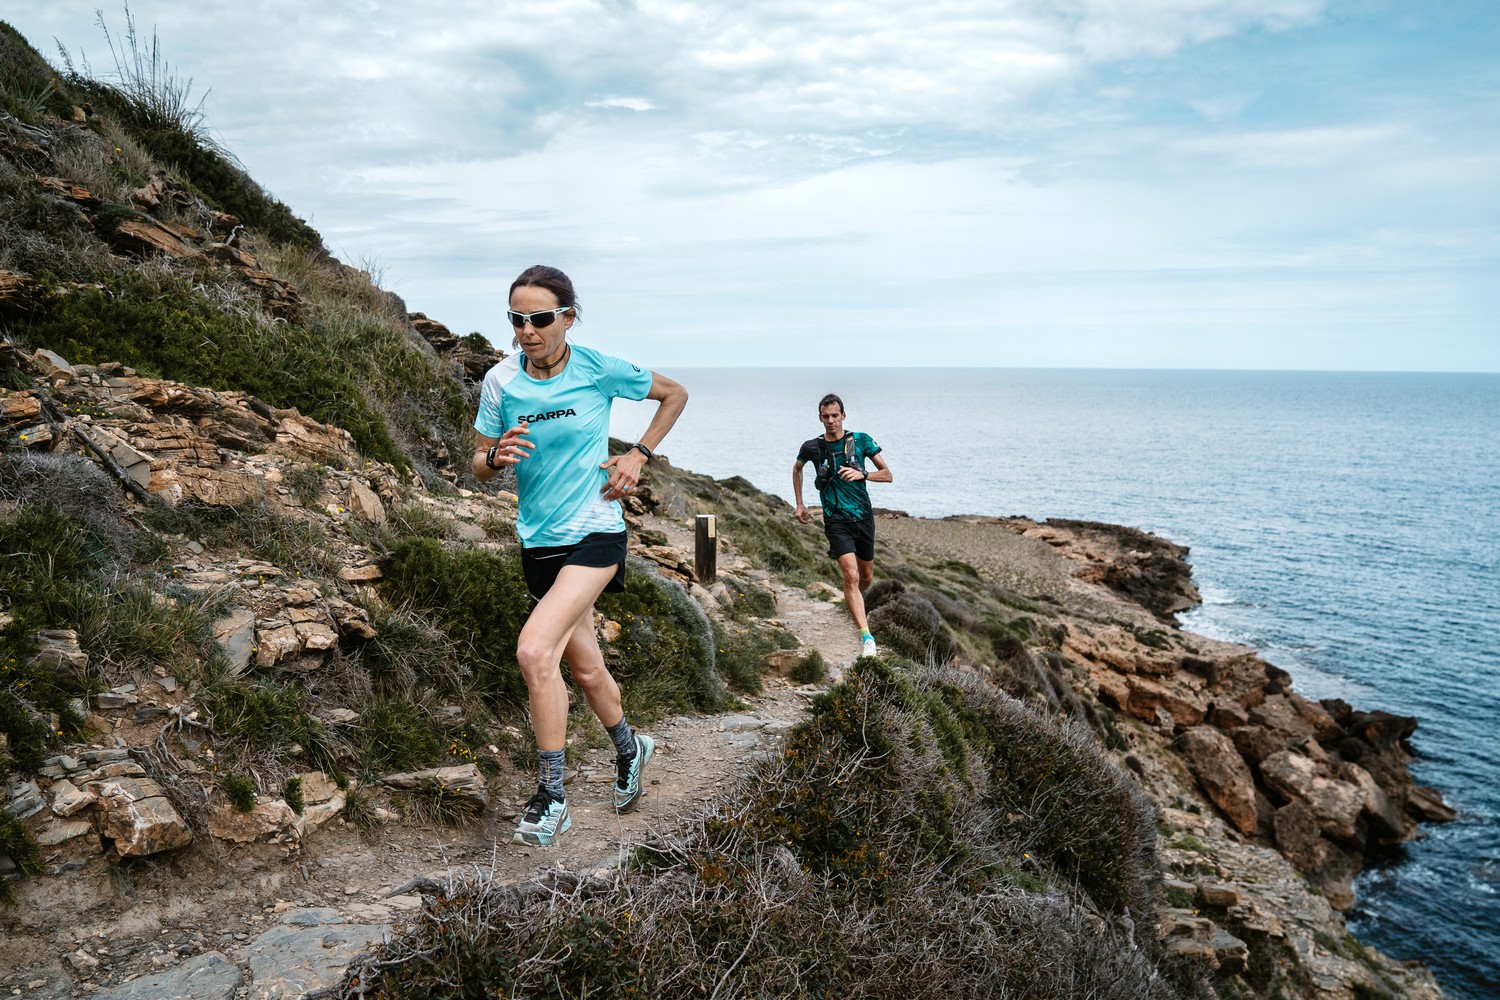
{"type": "Point", "coordinates": [558, 616]}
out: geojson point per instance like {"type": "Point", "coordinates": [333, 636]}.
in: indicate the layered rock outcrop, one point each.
{"type": "Point", "coordinates": [1325, 784]}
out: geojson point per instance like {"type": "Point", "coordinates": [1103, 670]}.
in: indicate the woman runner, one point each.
{"type": "Point", "coordinates": [545, 411]}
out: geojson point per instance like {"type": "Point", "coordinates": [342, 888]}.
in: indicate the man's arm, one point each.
{"type": "Point", "coordinates": [802, 514]}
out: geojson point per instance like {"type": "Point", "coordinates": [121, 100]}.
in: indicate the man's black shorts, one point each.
{"type": "Point", "coordinates": [851, 536]}
{"type": "Point", "coordinates": [603, 548]}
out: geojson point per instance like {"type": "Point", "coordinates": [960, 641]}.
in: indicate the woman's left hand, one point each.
{"type": "Point", "coordinates": [624, 474]}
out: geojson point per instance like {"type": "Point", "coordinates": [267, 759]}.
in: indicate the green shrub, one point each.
{"type": "Point", "coordinates": [398, 735]}
{"type": "Point", "coordinates": [268, 722]}
{"type": "Point", "coordinates": [16, 844]}
{"type": "Point", "coordinates": [1087, 817]}
{"type": "Point", "coordinates": [908, 623]}
{"type": "Point", "coordinates": [241, 791]}
{"type": "Point", "coordinates": [291, 792]}
{"type": "Point", "coordinates": [811, 669]}
{"type": "Point", "coordinates": [306, 484]}
{"type": "Point", "coordinates": [664, 657]}
{"type": "Point", "coordinates": [358, 809]}
{"type": "Point", "coordinates": [410, 650]}
{"type": "Point", "coordinates": [478, 598]}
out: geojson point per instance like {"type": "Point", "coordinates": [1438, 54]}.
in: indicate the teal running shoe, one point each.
{"type": "Point", "coordinates": [543, 820]}
{"type": "Point", "coordinates": [628, 772]}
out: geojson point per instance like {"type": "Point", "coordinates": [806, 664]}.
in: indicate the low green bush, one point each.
{"type": "Point", "coordinates": [410, 651]}
{"type": "Point", "coordinates": [665, 655]}
{"type": "Point", "coordinates": [433, 802]}
{"type": "Point", "coordinates": [908, 623]}
{"type": "Point", "coordinates": [811, 669]}
{"type": "Point", "coordinates": [478, 598]}
{"type": "Point", "coordinates": [241, 791]}
{"type": "Point", "coordinates": [17, 844]}
{"type": "Point", "coordinates": [874, 857]}
{"type": "Point", "coordinates": [268, 723]}
{"type": "Point", "coordinates": [398, 735]}
{"type": "Point", "coordinates": [292, 794]}
{"type": "Point", "coordinates": [305, 483]}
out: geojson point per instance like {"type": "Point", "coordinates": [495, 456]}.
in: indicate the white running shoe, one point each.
{"type": "Point", "coordinates": [628, 774]}
{"type": "Point", "coordinates": [543, 820]}
{"type": "Point", "coordinates": [867, 648]}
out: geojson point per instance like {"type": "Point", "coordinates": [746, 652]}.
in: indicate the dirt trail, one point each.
{"type": "Point", "coordinates": [100, 924]}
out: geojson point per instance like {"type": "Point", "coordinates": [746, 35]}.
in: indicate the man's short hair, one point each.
{"type": "Point", "coordinates": [830, 400]}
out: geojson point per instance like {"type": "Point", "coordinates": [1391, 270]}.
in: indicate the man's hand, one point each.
{"type": "Point", "coordinates": [803, 514]}
{"type": "Point", "coordinates": [850, 474]}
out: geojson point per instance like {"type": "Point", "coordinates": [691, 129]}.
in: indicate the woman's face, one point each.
{"type": "Point", "coordinates": [539, 345]}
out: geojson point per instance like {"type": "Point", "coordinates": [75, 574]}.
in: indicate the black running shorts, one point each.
{"type": "Point", "coordinates": [851, 536]}
{"type": "Point", "coordinates": [603, 548]}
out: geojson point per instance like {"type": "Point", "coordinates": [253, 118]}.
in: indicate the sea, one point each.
{"type": "Point", "coordinates": [1345, 525]}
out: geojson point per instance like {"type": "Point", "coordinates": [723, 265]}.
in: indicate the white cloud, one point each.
{"type": "Point", "coordinates": [623, 104]}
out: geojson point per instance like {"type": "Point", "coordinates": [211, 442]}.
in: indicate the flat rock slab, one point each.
{"type": "Point", "coordinates": [209, 976]}
{"type": "Point", "coordinates": [310, 951]}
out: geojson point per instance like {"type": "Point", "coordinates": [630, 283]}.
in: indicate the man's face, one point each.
{"type": "Point", "coordinates": [832, 417]}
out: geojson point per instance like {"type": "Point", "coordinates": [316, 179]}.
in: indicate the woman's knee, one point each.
{"type": "Point", "coordinates": [536, 659]}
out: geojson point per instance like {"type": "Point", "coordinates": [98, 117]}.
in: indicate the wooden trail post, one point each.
{"type": "Point", "coordinates": [706, 549]}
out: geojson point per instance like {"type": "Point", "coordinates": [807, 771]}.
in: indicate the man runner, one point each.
{"type": "Point", "coordinates": [838, 458]}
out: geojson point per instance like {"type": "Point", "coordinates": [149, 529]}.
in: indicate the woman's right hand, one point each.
{"type": "Point", "coordinates": [512, 446]}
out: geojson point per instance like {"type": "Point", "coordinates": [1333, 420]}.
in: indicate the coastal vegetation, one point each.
{"type": "Point", "coordinates": [920, 834]}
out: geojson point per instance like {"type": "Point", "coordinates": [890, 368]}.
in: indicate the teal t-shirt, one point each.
{"type": "Point", "coordinates": [841, 499]}
{"type": "Point", "coordinates": [560, 481]}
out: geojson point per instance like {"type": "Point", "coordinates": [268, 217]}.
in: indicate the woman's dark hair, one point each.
{"type": "Point", "coordinates": [828, 400]}
{"type": "Point", "coordinates": [550, 278]}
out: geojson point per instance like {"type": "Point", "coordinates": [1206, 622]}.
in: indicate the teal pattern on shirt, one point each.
{"type": "Point", "coordinates": [560, 483]}
{"type": "Point", "coordinates": [842, 500]}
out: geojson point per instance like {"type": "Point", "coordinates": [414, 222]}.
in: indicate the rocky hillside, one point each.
{"type": "Point", "coordinates": [256, 636]}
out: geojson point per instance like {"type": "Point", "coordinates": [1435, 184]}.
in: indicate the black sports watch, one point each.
{"type": "Point", "coordinates": [489, 457]}
{"type": "Point", "coordinates": [643, 450]}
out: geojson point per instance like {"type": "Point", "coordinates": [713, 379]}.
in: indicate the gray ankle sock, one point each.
{"type": "Point", "coordinates": [624, 739]}
{"type": "Point", "coordinates": [552, 773]}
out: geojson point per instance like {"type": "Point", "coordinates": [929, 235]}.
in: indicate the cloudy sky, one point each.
{"type": "Point", "coordinates": [1098, 183]}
